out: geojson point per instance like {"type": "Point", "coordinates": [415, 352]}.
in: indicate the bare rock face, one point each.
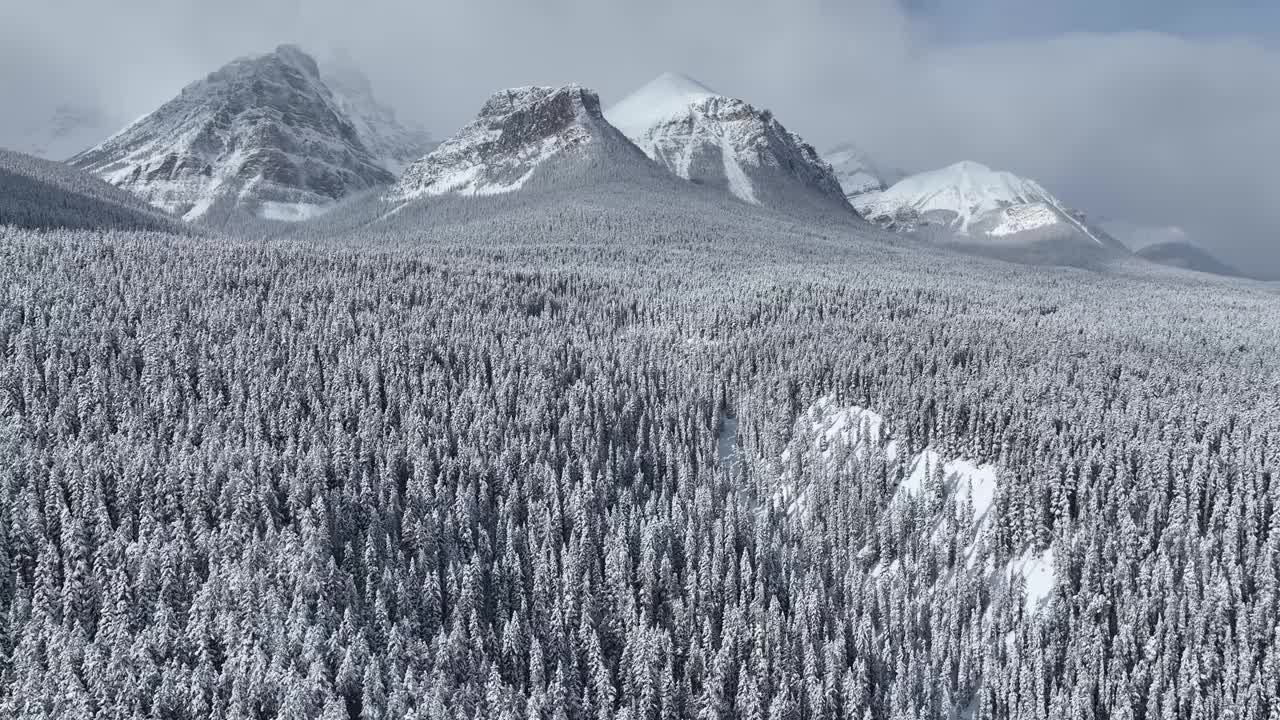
{"type": "Point", "coordinates": [262, 134]}
{"type": "Point", "coordinates": [517, 132]}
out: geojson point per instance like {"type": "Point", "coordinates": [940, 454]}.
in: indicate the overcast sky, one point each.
{"type": "Point", "coordinates": [1149, 113]}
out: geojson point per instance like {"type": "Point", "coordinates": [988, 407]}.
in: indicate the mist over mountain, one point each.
{"type": "Point", "coordinates": [263, 135]}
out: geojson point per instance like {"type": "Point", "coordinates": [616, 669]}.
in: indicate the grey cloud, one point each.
{"type": "Point", "coordinates": [1146, 128]}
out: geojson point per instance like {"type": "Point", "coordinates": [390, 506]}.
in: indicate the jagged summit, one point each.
{"type": "Point", "coordinates": [517, 132]}
{"type": "Point", "coordinates": [975, 205]}
{"type": "Point", "coordinates": [724, 142]}
{"type": "Point", "coordinates": [262, 134]}
{"type": "Point", "coordinates": [855, 172]}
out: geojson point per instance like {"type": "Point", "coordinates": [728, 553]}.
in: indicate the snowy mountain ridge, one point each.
{"type": "Point", "coordinates": [263, 134]}
{"type": "Point", "coordinates": [708, 138]}
{"type": "Point", "coordinates": [855, 172]}
{"type": "Point", "coordinates": [979, 206]}
{"type": "Point", "coordinates": [517, 132]}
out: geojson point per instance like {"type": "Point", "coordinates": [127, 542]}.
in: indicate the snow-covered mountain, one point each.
{"type": "Point", "coordinates": [39, 193]}
{"type": "Point", "coordinates": [263, 135]}
{"type": "Point", "coordinates": [705, 137]}
{"type": "Point", "coordinates": [854, 171]}
{"type": "Point", "coordinates": [858, 172]}
{"type": "Point", "coordinates": [67, 129]}
{"type": "Point", "coordinates": [393, 143]}
{"type": "Point", "coordinates": [971, 204]}
{"type": "Point", "coordinates": [1187, 256]}
{"type": "Point", "coordinates": [518, 133]}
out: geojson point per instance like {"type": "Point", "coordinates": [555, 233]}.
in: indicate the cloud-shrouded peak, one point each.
{"type": "Point", "coordinates": [263, 135]}
{"type": "Point", "coordinates": [664, 97]}
{"type": "Point", "coordinates": [394, 143]}
{"type": "Point", "coordinates": [724, 142]}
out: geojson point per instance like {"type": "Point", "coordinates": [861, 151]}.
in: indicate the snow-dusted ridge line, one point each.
{"type": "Point", "coordinates": [259, 135]}
{"type": "Point", "coordinates": [517, 132]}
{"type": "Point", "coordinates": [712, 139]}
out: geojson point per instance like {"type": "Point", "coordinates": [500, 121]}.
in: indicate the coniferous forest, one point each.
{"type": "Point", "coordinates": [684, 476]}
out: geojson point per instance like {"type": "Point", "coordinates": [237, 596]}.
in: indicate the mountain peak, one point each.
{"type": "Point", "coordinates": [724, 142]}
{"type": "Point", "coordinates": [970, 203]}
{"type": "Point", "coordinates": [517, 131]}
{"type": "Point", "coordinates": [263, 134]}
{"type": "Point", "coordinates": [294, 55]}
{"type": "Point", "coordinates": [856, 173]}
{"type": "Point", "coordinates": [666, 96]}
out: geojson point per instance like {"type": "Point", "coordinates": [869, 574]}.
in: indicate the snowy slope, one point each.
{"type": "Point", "coordinates": [976, 204]}
{"type": "Point", "coordinates": [39, 193]}
{"type": "Point", "coordinates": [723, 142]}
{"type": "Point", "coordinates": [393, 143]}
{"type": "Point", "coordinates": [262, 135]}
{"type": "Point", "coordinates": [856, 173]}
{"type": "Point", "coordinates": [517, 133]}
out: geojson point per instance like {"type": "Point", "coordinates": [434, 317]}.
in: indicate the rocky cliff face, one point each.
{"type": "Point", "coordinates": [517, 132]}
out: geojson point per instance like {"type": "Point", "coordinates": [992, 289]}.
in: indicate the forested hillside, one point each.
{"type": "Point", "coordinates": [688, 474]}
{"type": "Point", "coordinates": [38, 193]}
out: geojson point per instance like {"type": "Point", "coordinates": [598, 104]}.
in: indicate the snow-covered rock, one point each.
{"type": "Point", "coordinates": [393, 143]}
{"type": "Point", "coordinates": [946, 494]}
{"type": "Point", "coordinates": [974, 204]}
{"type": "Point", "coordinates": [260, 133]}
{"type": "Point", "coordinates": [855, 171]}
{"type": "Point", "coordinates": [724, 142]}
{"type": "Point", "coordinates": [518, 132]}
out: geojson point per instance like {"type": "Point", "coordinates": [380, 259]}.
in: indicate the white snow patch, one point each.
{"type": "Point", "coordinates": [739, 184]}
{"type": "Point", "coordinates": [290, 212]}
{"type": "Point", "coordinates": [727, 442]}
{"type": "Point", "coordinates": [1037, 573]}
{"type": "Point", "coordinates": [197, 211]}
{"type": "Point", "coordinates": [961, 480]}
